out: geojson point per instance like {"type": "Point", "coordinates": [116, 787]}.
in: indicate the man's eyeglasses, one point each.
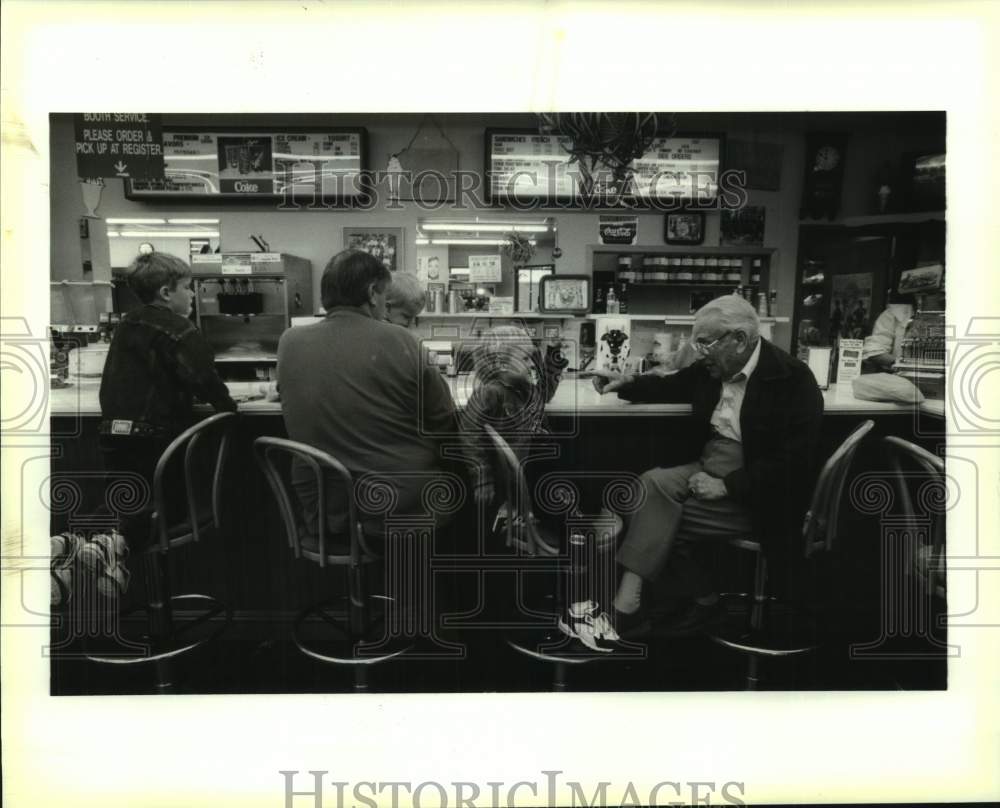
{"type": "Point", "coordinates": [705, 347]}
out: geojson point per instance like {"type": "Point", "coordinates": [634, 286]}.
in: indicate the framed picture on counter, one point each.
{"type": "Point", "coordinates": [385, 243]}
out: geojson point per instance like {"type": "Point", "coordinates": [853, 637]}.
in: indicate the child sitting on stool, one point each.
{"type": "Point", "coordinates": [158, 361]}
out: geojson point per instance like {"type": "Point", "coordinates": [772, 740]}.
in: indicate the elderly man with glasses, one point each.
{"type": "Point", "coordinates": [759, 410]}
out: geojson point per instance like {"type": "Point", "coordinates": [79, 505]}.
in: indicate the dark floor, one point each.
{"type": "Point", "coordinates": [257, 655]}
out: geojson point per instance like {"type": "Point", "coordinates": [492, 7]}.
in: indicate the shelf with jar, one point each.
{"type": "Point", "coordinates": [677, 280]}
{"type": "Point", "coordinates": [687, 270]}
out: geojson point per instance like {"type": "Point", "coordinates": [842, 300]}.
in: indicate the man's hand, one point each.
{"type": "Point", "coordinates": [704, 486]}
{"type": "Point", "coordinates": [607, 381]}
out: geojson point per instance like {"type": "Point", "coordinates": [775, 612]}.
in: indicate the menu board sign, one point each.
{"type": "Point", "coordinates": [229, 164]}
{"type": "Point", "coordinates": [526, 165]}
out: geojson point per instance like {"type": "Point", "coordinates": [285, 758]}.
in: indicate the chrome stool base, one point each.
{"type": "Point", "coordinates": [348, 647]}
{"type": "Point", "coordinates": [168, 646]}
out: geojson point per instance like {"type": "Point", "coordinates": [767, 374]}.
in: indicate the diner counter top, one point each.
{"type": "Point", "coordinates": [573, 397]}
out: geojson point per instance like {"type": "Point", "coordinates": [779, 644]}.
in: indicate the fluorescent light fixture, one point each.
{"type": "Point", "coordinates": [192, 221]}
{"type": "Point", "coordinates": [136, 221]}
{"type": "Point", "coordinates": [113, 234]}
{"type": "Point", "coordinates": [423, 241]}
{"type": "Point", "coordinates": [169, 233]}
{"type": "Point", "coordinates": [475, 242]}
{"type": "Point", "coordinates": [486, 227]}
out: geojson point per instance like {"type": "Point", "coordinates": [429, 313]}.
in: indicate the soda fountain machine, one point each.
{"type": "Point", "coordinates": [244, 302]}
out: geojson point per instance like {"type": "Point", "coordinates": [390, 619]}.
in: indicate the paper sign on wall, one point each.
{"type": "Point", "coordinates": [484, 269]}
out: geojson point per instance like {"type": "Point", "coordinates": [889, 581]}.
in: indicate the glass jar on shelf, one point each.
{"type": "Point", "coordinates": [712, 274]}
{"type": "Point", "coordinates": [659, 270]}
{"type": "Point", "coordinates": [733, 270]}
{"type": "Point", "coordinates": [687, 269]}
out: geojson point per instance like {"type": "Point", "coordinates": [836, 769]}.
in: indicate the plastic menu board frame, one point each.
{"type": "Point", "coordinates": [569, 200]}
{"type": "Point", "coordinates": [301, 199]}
{"type": "Point", "coordinates": [574, 300]}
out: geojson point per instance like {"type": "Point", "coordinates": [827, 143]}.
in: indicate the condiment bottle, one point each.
{"type": "Point", "coordinates": [611, 305]}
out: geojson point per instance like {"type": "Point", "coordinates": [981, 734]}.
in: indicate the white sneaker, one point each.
{"type": "Point", "coordinates": [589, 625]}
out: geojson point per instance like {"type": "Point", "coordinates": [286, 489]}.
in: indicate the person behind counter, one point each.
{"type": "Point", "coordinates": [882, 347]}
{"type": "Point", "coordinates": [353, 385]}
{"type": "Point", "coordinates": [760, 412]}
{"type": "Point", "coordinates": [404, 299]}
{"type": "Point", "coordinates": [158, 361]}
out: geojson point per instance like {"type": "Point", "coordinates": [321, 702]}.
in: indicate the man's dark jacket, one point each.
{"type": "Point", "coordinates": [780, 423]}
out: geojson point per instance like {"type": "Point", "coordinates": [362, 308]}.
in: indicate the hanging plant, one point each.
{"type": "Point", "coordinates": [519, 248]}
{"type": "Point", "coordinates": [603, 145]}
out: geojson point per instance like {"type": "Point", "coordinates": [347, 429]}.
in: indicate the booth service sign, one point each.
{"type": "Point", "coordinates": [614, 229]}
{"type": "Point", "coordinates": [113, 144]}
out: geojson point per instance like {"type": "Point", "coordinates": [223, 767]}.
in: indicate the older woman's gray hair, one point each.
{"type": "Point", "coordinates": [405, 298]}
{"type": "Point", "coordinates": [732, 313]}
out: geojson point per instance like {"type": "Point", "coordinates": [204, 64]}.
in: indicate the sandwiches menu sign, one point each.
{"type": "Point", "coordinates": [526, 165]}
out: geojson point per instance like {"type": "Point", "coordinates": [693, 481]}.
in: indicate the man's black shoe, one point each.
{"type": "Point", "coordinates": [693, 620]}
{"type": "Point", "coordinates": [631, 626]}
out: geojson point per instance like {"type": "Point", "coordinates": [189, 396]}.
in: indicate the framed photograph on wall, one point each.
{"type": "Point", "coordinates": [743, 227]}
{"type": "Point", "coordinates": [684, 228]}
{"type": "Point", "coordinates": [385, 243]}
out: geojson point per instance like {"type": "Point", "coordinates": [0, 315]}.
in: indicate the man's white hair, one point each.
{"type": "Point", "coordinates": [734, 314]}
{"type": "Point", "coordinates": [406, 292]}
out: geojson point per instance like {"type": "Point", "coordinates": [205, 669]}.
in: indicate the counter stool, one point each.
{"type": "Point", "coordinates": [929, 563]}
{"type": "Point", "coordinates": [202, 451]}
{"type": "Point", "coordinates": [589, 550]}
{"type": "Point", "coordinates": [349, 550]}
{"type": "Point", "coordinates": [911, 504]}
{"type": "Point", "coordinates": [757, 624]}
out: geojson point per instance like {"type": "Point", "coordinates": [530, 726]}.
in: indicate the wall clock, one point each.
{"type": "Point", "coordinates": [824, 174]}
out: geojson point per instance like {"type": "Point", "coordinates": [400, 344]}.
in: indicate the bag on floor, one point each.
{"type": "Point", "coordinates": [95, 564]}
